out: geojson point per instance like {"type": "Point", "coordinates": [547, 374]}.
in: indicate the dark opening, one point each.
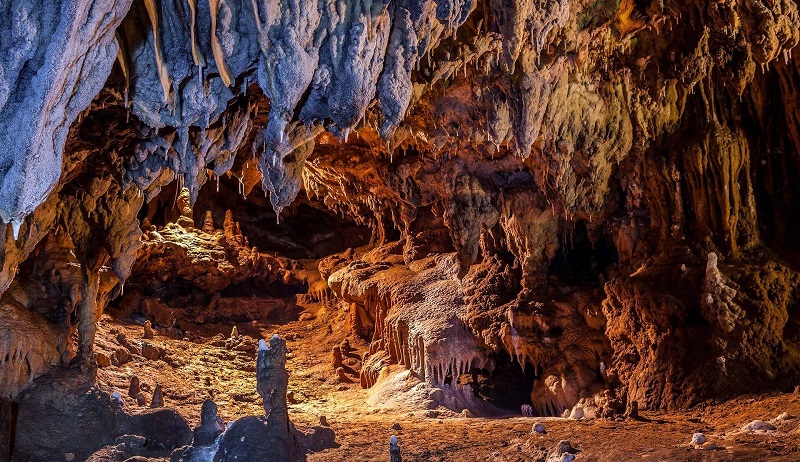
{"type": "Point", "coordinates": [8, 423]}
{"type": "Point", "coordinates": [507, 386]}
{"type": "Point", "coordinates": [307, 229]}
{"type": "Point", "coordinates": [581, 261]}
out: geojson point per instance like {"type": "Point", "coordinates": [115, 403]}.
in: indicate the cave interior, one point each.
{"type": "Point", "coordinates": [285, 230]}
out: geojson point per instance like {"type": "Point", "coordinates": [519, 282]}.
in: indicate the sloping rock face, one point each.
{"type": "Point", "coordinates": [62, 416]}
{"type": "Point", "coordinates": [567, 182]}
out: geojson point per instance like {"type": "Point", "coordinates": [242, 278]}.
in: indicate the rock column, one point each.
{"type": "Point", "coordinates": [273, 380]}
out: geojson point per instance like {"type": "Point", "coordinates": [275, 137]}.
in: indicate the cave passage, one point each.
{"type": "Point", "coordinates": [306, 229]}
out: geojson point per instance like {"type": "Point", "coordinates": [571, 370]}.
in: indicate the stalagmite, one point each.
{"type": "Point", "coordinates": [135, 387]}
{"type": "Point", "coordinates": [394, 450]}
{"type": "Point", "coordinates": [148, 330]}
{"type": "Point", "coordinates": [158, 397]}
{"type": "Point", "coordinates": [87, 310]}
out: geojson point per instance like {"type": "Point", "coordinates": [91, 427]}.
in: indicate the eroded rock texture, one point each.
{"type": "Point", "coordinates": [601, 191]}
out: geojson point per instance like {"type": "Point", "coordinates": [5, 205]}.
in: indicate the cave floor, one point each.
{"type": "Point", "coordinates": [201, 366]}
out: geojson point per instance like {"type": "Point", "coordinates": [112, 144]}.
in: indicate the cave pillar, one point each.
{"type": "Point", "coordinates": [87, 312]}
{"type": "Point", "coordinates": [273, 381]}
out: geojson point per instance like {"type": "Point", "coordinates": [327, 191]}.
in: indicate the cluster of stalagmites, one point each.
{"type": "Point", "coordinates": [64, 417]}
{"type": "Point", "coordinates": [209, 261]}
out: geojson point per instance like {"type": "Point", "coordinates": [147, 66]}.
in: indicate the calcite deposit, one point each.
{"type": "Point", "coordinates": [573, 205]}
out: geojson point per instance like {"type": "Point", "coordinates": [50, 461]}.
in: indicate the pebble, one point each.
{"type": "Point", "coordinates": [538, 427]}
{"type": "Point", "coordinates": [784, 416]}
{"type": "Point", "coordinates": [698, 439]}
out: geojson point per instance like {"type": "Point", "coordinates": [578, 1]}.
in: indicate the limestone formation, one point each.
{"type": "Point", "coordinates": [210, 425]}
{"type": "Point", "coordinates": [135, 387]}
{"type": "Point", "coordinates": [273, 380]}
{"type": "Point", "coordinates": [152, 352]}
{"type": "Point", "coordinates": [266, 438]}
{"type": "Point", "coordinates": [336, 356]}
{"type": "Point", "coordinates": [603, 192]}
{"type": "Point", "coordinates": [344, 347]}
{"type": "Point", "coordinates": [63, 413]}
{"type": "Point", "coordinates": [759, 426]}
{"type": "Point", "coordinates": [632, 412]}
{"type": "Point", "coordinates": [394, 450]}
{"type": "Point", "coordinates": [148, 330]}
{"type": "Point", "coordinates": [562, 452]}
{"type": "Point", "coordinates": [158, 397]}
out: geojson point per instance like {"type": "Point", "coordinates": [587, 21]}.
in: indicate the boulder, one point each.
{"type": "Point", "coordinates": [162, 428]}
{"type": "Point", "coordinates": [158, 312]}
{"type": "Point", "coordinates": [255, 439]}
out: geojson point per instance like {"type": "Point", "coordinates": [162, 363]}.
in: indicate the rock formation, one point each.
{"type": "Point", "coordinates": [269, 437]}
{"type": "Point", "coordinates": [599, 194]}
{"type": "Point", "coordinates": [273, 380]}
{"type": "Point", "coordinates": [394, 450]}
{"type": "Point", "coordinates": [210, 425]}
{"type": "Point", "coordinates": [158, 397]}
{"type": "Point", "coordinates": [61, 415]}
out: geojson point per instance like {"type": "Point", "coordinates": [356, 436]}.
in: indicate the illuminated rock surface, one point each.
{"type": "Point", "coordinates": [585, 207]}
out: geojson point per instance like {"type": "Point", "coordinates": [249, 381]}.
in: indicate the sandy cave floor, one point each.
{"type": "Point", "coordinates": [200, 366]}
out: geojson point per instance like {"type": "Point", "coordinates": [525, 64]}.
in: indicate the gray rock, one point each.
{"type": "Point", "coordinates": [210, 427]}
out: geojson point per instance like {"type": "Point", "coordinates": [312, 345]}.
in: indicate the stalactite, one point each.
{"type": "Point", "coordinates": [219, 55]}
{"type": "Point", "coordinates": [163, 73]}
{"type": "Point", "coordinates": [197, 54]}
{"type": "Point", "coordinates": [124, 64]}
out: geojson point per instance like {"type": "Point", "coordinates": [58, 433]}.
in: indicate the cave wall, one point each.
{"type": "Point", "coordinates": [472, 138]}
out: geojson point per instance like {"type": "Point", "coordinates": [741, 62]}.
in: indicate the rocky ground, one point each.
{"type": "Point", "coordinates": [338, 420]}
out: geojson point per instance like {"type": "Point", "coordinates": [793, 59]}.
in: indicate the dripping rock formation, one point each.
{"type": "Point", "coordinates": [585, 207]}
